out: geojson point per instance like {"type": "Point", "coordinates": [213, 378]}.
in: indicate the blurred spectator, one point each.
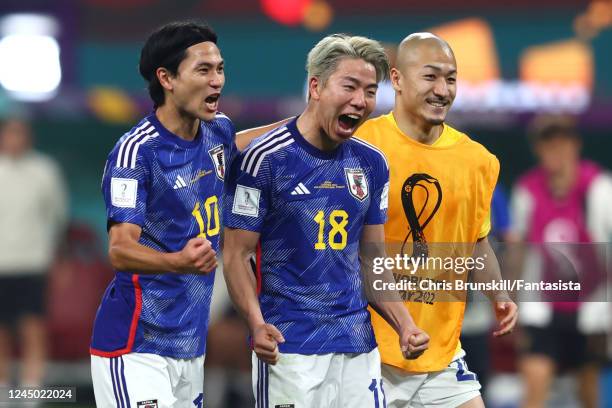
{"type": "Point", "coordinates": [564, 199]}
{"type": "Point", "coordinates": [80, 274]}
{"type": "Point", "coordinates": [228, 355]}
{"type": "Point", "coordinates": [228, 364]}
{"type": "Point", "coordinates": [32, 215]}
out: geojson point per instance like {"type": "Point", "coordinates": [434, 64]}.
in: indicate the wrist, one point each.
{"type": "Point", "coordinates": [502, 296]}
{"type": "Point", "coordinates": [254, 321]}
{"type": "Point", "coordinates": [173, 260]}
{"type": "Point", "coordinates": [402, 319]}
{"type": "Point", "coordinates": [406, 323]}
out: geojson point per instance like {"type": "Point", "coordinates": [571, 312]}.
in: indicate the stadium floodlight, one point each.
{"type": "Point", "coordinates": [30, 67]}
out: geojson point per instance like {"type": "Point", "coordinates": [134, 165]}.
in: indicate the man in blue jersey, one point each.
{"type": "Point", "coordinates": [312, 197]}
{"type": "Point", "coordinates": [162, 186]}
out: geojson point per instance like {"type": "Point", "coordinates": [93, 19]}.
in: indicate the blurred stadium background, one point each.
{"type": "Point", "coordinates": [70, 68]}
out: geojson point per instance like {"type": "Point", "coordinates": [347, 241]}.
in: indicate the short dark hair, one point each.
{"type": "Point", "coordinates": [547, 127]}
{"type": "Point", "coordinates": [166, 48]}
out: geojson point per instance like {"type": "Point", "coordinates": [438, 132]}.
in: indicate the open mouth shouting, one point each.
{"type": "Point", "coordinates": [347, 123]}
{"type": "Point", "coordinates": [212, 102]}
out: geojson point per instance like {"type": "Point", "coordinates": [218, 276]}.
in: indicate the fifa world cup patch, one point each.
{"type": "Point", "coordinates": [246, 201]}
{"type": "Point", "coordinates": [218, 159]}
{"type": "Point", "coordinates": [123, 192]}
{"type": "Point", "coordinates": [147, 404]}
{"type": "Point", "coordinates": [358, 185]}
{"type": "Point", "coordinates": [384, 197]}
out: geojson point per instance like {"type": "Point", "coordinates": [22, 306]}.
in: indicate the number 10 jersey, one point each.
{"type": "Point", "coordinates": [171, 188]}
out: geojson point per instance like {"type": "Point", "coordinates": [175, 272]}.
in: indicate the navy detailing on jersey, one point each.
{"type": "Point", "coordinates": [128, 151]}
{"type": "Point", "coordinates": [299, 199]}
{"type": "Point", "coordinates": [255, 156]}
{"type": "Point", "coordinates": [172, 188]}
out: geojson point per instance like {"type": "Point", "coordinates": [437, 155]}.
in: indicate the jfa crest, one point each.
{"type": "Point", "coordinates": [218, 158]}
{"type": "Point", "coordinates": [358, 185]}
{"type": "Point", "coordinates": [147, 404]}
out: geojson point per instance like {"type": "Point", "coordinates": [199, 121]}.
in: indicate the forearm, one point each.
{"type": "Point", "coordinates": [395, 313]}
{"type": "Point", "coordinates": [490, 271]}
{"type": "Point", "coordinates": [242, 287]}
{"type": "Point", "coordinates": [132, 256]}
{"type": "Point", "coordinates": [387, 302]}
{"type": "Point", "coordinates": [244, 137]}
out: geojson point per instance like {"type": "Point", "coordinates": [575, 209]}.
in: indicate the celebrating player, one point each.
{"type": "Point", "coordinates": [310, 196]}
{"type": "Point", "coordinates": [437, 169]}
{"type": "Point", "coordinates": [162, 184]}
{"type": "Point", "coordinates": [456, 177]}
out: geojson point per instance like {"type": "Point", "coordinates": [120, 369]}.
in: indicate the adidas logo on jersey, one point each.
{"type": "Point", "coordinates": [300, 189]}
{"type": "Point", "coordinates": [179, 183]}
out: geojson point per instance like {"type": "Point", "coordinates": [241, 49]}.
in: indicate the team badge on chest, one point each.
{"type": "Point", "coordinates": [358, 185]}
{"type": "Point", "coordinates": [218, 158]}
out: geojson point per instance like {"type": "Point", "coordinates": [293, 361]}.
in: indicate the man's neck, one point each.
{"type": "Point", "coordinates": [179, 124]}
{"type": "Point", "coordinates": [417, 129]}
{"type": "Point", "coordinates": [561, 183]}
{"type": "Point", "coordinates": [307, 125]}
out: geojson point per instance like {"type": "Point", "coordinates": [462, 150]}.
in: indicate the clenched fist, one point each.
{"type": "Point", "coordinates": [197, 257]}
{"type": "Point", "coordinates": [265, 343]}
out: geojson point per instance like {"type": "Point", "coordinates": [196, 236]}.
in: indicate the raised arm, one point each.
{"type": "Point", "coordinates": [244, 137]}
{"type": "Point", "coordinates": [126, 253]}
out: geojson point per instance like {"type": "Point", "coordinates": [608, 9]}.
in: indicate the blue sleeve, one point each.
{"type": "Point", "coordinates": [500, 213]}
{"type": "Point", "coordinates": [379, 202]}
{"type": "Point", "coordinates": [228, 128]}
{"type": "Point", "coordinates": [125, 187]}
{"type": "Point", "coordinates": [247, 194]}
{"type": "Point", "coordinates": [233, 152]}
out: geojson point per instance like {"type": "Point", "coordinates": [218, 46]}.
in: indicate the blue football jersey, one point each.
{"type": "Point", "coordinates": [172, 188]}
{"type": "Point", "coordinates": [310, 207]}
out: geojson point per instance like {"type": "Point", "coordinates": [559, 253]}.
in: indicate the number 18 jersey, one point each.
{"type": "Point", "coordinates": [310, 207]}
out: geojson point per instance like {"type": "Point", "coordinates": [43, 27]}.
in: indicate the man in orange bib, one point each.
{"type": "Point", "coordinates": [441, 183]}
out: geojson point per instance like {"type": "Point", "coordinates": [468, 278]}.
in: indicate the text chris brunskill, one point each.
{"type": "Point", "coordinates": [459, 285]}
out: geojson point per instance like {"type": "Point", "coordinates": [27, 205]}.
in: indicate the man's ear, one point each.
{"type": "Point", "coordinates": [314, 88]}
{"type": "Point", "coordinates": [396, 79]}
{"type": "Point", "coordinates": [164, 77]}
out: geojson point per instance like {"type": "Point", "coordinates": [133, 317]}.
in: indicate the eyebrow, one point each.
{"type": "Point", "coordinates": [208, 64]}
{"type": "Point", "coordinates": [438, 69]}
{"type": "Point", "coordinates": [357, 82]}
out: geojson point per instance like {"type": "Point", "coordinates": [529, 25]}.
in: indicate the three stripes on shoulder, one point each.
{"type": "Point", "coordinates": [128, 151]}
{"type": "Point", "coordinates": [269, 144]}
